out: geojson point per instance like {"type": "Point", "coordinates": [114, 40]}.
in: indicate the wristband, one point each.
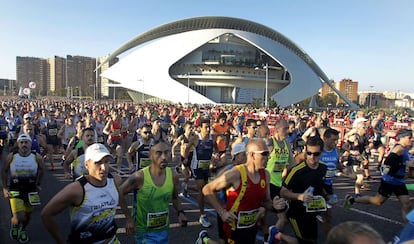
{"type": "Point", "coordinates": [180, 211]}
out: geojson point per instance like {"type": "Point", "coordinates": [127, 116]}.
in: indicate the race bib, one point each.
{"type": "Point", "coordinates": [157, 220]}
{"type": "Point", "coordinates": [279, 167]}
{"type": "Point", "coordinates": [34, 198]}
{"type": "Point", "coordinates": [317, 204]}
{"type": "Point", "coordinates": [330, 173]}
{"type": "Point", "coordinates": [116, 133]}
{"type": "Point", "coordinates": [53, 132]}
{"type": "Point", "coordinates": [247, 219]}
{"type": "Point", "coordinates": [100, 139]}
{"type": "Point", "coordinates": [202, 164]}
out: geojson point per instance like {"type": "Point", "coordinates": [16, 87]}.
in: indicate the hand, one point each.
{"type": "Point", "coordinates": [68, 176]}
{"type": "Point", "coordinates": [279, 203]}
{"type": "Point", "coordinates": [6, 193]}
{"type": "Point", "coordinates": [306, 197]}
{"type": "Point", "coordinates": [227, 216]}
{"type": "Point", "coordinates": [130, 226]}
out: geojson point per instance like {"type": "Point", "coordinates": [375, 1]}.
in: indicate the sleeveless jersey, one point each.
{"type": "Point", "coordinates": [23, 173]}
{"type": "Point", "coordinates": [151, 203]}
{"type": "Point", "coordinates": [203, 153]}
{"type": "Point", "coordinates": [330, 158]}
{"type": "Point", "coordinates": [142, 155]}
{"type": "Point", "coordinates": [397, 171]}
{"type": "Point", "coordinates": [3, 128]}
{"type": "Point", "coordinates": [115, 134]}
{"type": "Point", "coordinates": [379, 127]}
{"type": "Point", "coordinates": [35, 145]}
{"type": "Point", "coordinates": [250, 203]}
{"type": "Point", "coordinates": [70, 131]}
{"type": "Point", "coordinates": [278, 160]}
{"type": "Point", "coordinates": [52, 130]}
{"type": "Point", "coordinates": [93, 221]}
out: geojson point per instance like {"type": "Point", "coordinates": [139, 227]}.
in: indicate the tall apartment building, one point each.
{"type": "Point", "coordinates": [57, 75]}
{"type": "Point", "coordinates": [32, 69]}
{"type": "Point", "coordinates": [346, 86]}
{"type": "Point", "coordinates": [81, 78]}
{"type": "Point", "coordinates": [103, 88]}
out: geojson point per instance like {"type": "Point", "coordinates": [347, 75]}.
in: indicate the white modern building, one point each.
{"type": "Point", "coordinates": [217, 60]}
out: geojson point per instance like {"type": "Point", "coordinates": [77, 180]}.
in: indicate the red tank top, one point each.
{"type": "Point", "coordinates": [116, 130]}
{"type": "Point", "coordinates": [253, 197]}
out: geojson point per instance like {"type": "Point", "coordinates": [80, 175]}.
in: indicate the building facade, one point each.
{"type": "Point", "coordinates": [217, 60]}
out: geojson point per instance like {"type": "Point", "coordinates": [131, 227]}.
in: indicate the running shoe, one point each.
{"type": "Point", "coordinates": [23, 238]}
{"type": "Point", "coordinates": [14, 232]}
{"type": "Point", "coordinates": [202, 237]}
{"type": "Point", "coordinates": [177, 169]}
{"type": "Point", "coordinates": [204, 221]}
{"type": "Point", "coordinates": [274, 236]}
{"type": "Point", "coordinates": [348, 202]}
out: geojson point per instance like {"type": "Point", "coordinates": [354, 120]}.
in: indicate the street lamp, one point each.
{"type": "Point", "coordinates": [142, 93]}
{"type": "Point", "coordinates": [266, 69]}
{"type": "Point", "coordinates": [4, 90]}
{"type": "Point", "coordinates": [188, 88]}
{"type": "Point", "coordinates": [370, 95]}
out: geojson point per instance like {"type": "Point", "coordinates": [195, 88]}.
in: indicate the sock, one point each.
{"type": "Point", "coordinates": [205, 240]}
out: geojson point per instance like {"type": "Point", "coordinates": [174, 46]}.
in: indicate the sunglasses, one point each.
{"type": "Point", "coordinates": [146, 132]}
{"type": "Point", "coordinates": [254, 127]}
{"type": "Point", "coordinates": [263, 153]}
{"type": "Point", "coordinates": [316, 154]}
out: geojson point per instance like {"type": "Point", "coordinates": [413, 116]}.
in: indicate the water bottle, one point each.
{"type": "Point", "coordinates": [308, 191]}
{"type": "Point", "coordinates": [332, 201]}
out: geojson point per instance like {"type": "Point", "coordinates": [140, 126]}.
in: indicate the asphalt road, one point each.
{"type": "Point", "coordinates": [385, 219]}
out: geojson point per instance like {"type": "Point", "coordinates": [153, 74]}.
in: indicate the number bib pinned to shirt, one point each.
{"type": "Point", "coordinates": [247, 219]}
{"type": "Point", "coordinates": [157, 220]}
{"type": "Point", "coordinates": [317, 204]}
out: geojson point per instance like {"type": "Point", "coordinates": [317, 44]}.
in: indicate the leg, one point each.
{"type": "Point", "coordinates": [119, 151]}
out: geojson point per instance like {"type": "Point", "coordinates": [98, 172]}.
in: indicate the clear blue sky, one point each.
{"type": "Point", "coordinates": [370, 41]}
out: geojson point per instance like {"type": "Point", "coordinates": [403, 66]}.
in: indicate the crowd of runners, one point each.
{"type": "Point", "coordinates": [247, 163]}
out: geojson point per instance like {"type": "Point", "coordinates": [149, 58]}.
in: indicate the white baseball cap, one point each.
{"type": "Point", "coordinates": [27, 116]}
{"type": "Point", "coordinates": [238, 148]}
{"type": "Point", "coordinates": [24, 137]}
{"type": "Point", "coordinates": [96, 152]}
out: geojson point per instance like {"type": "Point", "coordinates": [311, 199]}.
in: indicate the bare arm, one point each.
{"type": "Point", "coordinates": [40, 169]}
{"type": "Point", "coordinates": [131, 150]}
{"type": "Point", "coordinates": [72, 194]}
{"type": "Point", "coordinates": [5, 173]}
{"type": "Point", "coordinates": [107, 128]}
{"type": "Point", "coordinates": [68, 162]}
{"type": "Point", "coordinates": [227, 179]}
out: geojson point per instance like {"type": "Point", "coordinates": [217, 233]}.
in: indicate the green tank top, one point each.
{"type": "Point", "coordinates": [151, 203]}
{"type": "Point", "coordinates": [278, 160]}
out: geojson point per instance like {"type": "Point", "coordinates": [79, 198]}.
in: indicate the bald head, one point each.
{"type": "Point", "coordinates": [256, 144]}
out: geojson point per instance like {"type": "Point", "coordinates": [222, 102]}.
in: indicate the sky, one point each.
{"type": "Point", "coordinates": [369, 41]}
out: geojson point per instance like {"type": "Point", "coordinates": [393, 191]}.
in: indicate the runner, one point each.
{"type": "Point", "coordinates": [392, 180]}
{"type": "Point", "coordinates": [92, 199]}
{"type": "Point", "coordinates": [21, 178]}
{"type": "Point", "coordinates": [154, 188]}
{"type": "Point", "coordinates": [138, 153]}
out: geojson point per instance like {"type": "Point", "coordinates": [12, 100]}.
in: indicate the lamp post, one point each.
{"type": "Point", "coordinates": [370, 96]}
{"type": "Point", "coordinates": [188, 88]}
{"type": "Point", "coordinates": [4, 90]}
{"type": "Point", "coordinates": [266, 69]}
{"type": "Point", "coordinates": [142, 93]}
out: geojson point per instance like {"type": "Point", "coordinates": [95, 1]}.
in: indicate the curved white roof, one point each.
{"type": "Point", "coordinates": [146, 69]}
